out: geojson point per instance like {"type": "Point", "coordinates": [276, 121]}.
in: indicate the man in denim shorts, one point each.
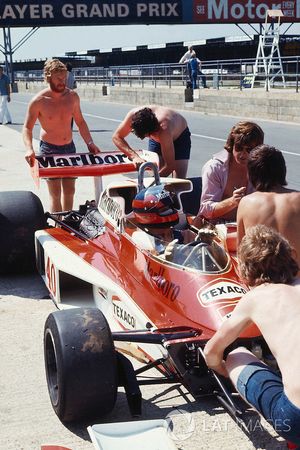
{"type": "Point", "coordinates": [55, 107]}
{"type": "Point", "coordinates": [168, 133]}
{"type": "Point", "coordinates": [266, 264]}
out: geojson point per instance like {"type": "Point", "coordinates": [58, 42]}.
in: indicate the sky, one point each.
{"type": "Point", "coordinates": [49, 42]}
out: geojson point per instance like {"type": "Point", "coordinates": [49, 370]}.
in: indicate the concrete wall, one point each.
{"type": "Point", "coordinates": [276, 105]}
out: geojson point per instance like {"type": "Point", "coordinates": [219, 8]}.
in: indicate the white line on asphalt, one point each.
{"type": "Point", "coordinates": [101, 117]}
{"type": "Point", "coordinates": [208, 137]}
{"type": "Point", "coordinates": [203, 136]}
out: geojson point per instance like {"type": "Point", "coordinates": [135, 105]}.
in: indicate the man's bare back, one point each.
{"type": "Point", "coordinates": [279, 210]}
{"type": "Point", "coordinates": [170, 122]}
{"type": "Point", "coordinates": [282, 331]}
{"type": "Point", "coordinates": [163, 126]}
{"type": "Point", "coordinates": [55, 115]}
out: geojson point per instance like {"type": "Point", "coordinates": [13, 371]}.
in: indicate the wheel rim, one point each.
{"type": "Point", "coordinates": [51, 368]}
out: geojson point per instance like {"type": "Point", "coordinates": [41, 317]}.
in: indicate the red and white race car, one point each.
{"type": "Point", "coordinates": [119, 292]}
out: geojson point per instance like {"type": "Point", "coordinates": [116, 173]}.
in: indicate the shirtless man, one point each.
{"type": "Point", "coordinates": [54, 107]}
{"type": "Point", "coordinates": [168, 134]}
{"type": "Point", "coordinates": [266, 264]}
{"type": "Point", "coordinates": [273, 204]}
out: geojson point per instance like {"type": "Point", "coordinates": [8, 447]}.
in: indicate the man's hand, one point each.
{"type": "Point", "coordinates": [220, 369]}
{"type": "Point", "coordinates": [138, 161]}
{"type": "Point", "coordinates": [169, 250]}
{"type": "Point", "coordinates": [238, 194]}
{"type": "Point", "coordinates": [214, 362]}
{"type": "Point", "coordinates": [93, 148]}
{"type": "Point", "coordinates": [30, 157]}
{"type": "Point", "coordinates": [8, 98]}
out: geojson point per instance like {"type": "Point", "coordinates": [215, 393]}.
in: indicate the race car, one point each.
{"type": "Point", "coordinates": [120, 290]}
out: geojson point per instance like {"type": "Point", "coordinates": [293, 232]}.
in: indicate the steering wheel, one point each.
{"type": "Point", "coordinates": [196, 248]}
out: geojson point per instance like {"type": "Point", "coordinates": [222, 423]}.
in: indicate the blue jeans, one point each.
{"type": "Point", "coordinates": [263, 389]}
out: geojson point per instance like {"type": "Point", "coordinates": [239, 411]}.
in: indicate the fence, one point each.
{"type": "Point", "coordinates": [219, 74]}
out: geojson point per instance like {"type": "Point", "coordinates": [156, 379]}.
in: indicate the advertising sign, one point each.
{"type": "Point", "coordinates": [113, 12]}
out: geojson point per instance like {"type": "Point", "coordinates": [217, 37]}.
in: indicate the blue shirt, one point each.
{"type": "Point", "coordinates": [4, 81]}
{"type": "Point", "coordinates": [194, 64]}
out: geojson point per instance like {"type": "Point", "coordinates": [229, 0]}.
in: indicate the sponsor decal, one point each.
{"type": "Point", "coordinates": [242, 11]}
{"type": "Point", "coordinates": [79, 160]}
{"type": "Point", "coordinates": [103, 292]}
{"type": "Point", "coordinates": [110, 207]}
{"type": "Point", "coordinates": [221, 290]}
{"type": "Point", "coordinates": [51, 277]}
{"type": "Point", "coordinates": [168, 288]}
{"type": "Point", "coordinates": [124, 316]}
{"type": "Point", "coordinates": [55, 12]}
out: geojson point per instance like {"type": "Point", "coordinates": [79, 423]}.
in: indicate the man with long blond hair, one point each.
{"type": "Point", "coordinates": [267, 265]}
{"type": "Point", "coordinates": [54, 107]}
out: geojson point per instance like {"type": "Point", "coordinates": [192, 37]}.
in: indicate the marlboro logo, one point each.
{"type": "Point", "coordinates": [167, 288]}
{"type": "Point", "coordinates": [79, 160]}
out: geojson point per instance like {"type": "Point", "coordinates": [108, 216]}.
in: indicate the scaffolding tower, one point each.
{"type": "Point", "coordinates": [268, 59]}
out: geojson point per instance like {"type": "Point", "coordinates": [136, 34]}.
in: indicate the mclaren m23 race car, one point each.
{"type": "Point", "coordinates": [120, 290]}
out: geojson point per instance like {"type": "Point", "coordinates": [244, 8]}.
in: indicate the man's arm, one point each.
{"type": "Point", "coordinates": [229, 332]}
{"type": "Point", "coordinates": [82, 126]}
{"type": "Point", "coordinates": [242, 209]}
{"type": "Point", "coordinates": [230, 203]}
{"type": "Point", "coordinates": [8, 90]}
{"type": "Point", "coordinates": [167, 152]}
{"type": "Point", "coordinates": [212, 206]}
{"type": "Point", "coordinates": [30, 119]}
{"type": "Point", "coordinates": [123, 130]}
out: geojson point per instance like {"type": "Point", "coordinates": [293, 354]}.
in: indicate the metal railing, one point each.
{"type": "Point", "coordinates": [219, 74]}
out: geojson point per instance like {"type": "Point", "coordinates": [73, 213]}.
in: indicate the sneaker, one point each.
{"type": "Point", "coordinates": [8, 123]}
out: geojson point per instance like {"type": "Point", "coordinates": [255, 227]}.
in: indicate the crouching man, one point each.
{"type": "Point", "coordinates": [267, 265]}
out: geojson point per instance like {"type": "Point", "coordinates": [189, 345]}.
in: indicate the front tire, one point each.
{"type": "Point", "coordinates": [81, 364]}
{"type": "Point", "coordinates": [21, 214]}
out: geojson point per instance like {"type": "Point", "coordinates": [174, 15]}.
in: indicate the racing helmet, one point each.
{"type": "Point", "coordinates": [155, 207]}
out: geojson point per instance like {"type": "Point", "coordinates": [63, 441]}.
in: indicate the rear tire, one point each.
{"type": "Point", "coordinates": [21, 214]}
{"type": "Point", "coordinates": [81, 364]}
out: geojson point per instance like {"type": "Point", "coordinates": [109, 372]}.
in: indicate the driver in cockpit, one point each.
{"type": "Point", "coordinates": [156, 212]}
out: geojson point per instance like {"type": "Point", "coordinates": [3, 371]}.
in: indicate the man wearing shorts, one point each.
{"type": "Point", "coordinates": [266, 264]}
{"type": "Point", "coordinates": [54, 107]}
{"type": "Point", "coordinates": [168, 135]}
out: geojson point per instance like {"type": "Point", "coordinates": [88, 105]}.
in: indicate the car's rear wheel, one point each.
{"type": "Point", "coordinates": [21, 214]}
{"type": "Point", "coordinates": [81, 364]}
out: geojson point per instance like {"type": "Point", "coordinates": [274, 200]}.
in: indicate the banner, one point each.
{"type": "Point", "coordinates": [247, 11]}
{"type": "Point", "coordinates": [35, 13]}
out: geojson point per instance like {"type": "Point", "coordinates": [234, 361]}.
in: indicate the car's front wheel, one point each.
{"type": "Point", "coordinates": [81, 364]}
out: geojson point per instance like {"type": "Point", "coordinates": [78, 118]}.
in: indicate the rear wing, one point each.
{"type": "Point", "coordinates": [85, 164]}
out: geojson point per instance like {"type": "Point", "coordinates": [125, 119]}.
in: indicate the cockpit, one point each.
{"type": "Point", "coordinates": [205, 252]}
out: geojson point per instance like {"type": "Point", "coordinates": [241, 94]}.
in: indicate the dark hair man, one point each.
{"type": "Point", "coordinates": [225, 177]}
{"type": "Point", "coordinates": [168, 135]}
{"type": "Point", "coordinates": [4, 97]}
{"type": "Point", "coordinates": [267, 265]}
{"type": "Point", "coordinates": [272, 204]}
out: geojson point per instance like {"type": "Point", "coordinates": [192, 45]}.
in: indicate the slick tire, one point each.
{"type": "Point", "coordinates": [81, 364]}
{"type": "Point", "coordinates": [21, 214]}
